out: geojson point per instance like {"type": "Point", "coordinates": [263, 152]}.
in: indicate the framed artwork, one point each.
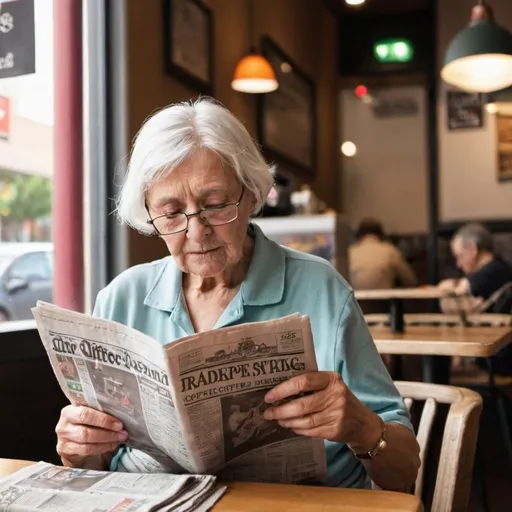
{"type": "Point", "coordinates": [188, 43]}
{"type": "Point", "coordinates": [287, 117]}
{"type": "Point", "coordinates": [504, 149]}
{"type": "Point", "coordinates": [464, 110]}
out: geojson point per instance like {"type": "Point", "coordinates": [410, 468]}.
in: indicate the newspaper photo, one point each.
{"type": "Point", "coordinates": [44, 487]}
{"type": "Point", "coordinates": [196, 404]}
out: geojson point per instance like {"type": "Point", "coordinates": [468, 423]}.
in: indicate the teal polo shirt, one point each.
{"type": "Point", "coordinates": [280, 281]}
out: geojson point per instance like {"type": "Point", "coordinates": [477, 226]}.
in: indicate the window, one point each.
{"type": "Point", "coordinates": [26, 165]}
{"type": "Point", "coordinates": [32, 266]}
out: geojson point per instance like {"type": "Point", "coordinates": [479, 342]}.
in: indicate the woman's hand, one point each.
{"type": "Point", "coordinates": [331, 411]}
{"type": "Point", "coordinates": [83, 433]}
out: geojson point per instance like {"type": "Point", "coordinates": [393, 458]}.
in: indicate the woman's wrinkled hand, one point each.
{"type": "Point", "coordinates": [83, 433]}
{"type": "Point", "coordinates": [328, 410]}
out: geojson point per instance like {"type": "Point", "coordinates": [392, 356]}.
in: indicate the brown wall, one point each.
{"type": "Point", "coordinates": [302, 28]}
{"type": "Point", "coordinates": [387, 177]}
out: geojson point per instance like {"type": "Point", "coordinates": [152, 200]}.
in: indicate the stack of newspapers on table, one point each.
{"type": "Point", "coordinates": [44, 487]}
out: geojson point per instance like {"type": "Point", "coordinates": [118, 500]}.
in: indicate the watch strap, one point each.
{"type": "Point", "coordinates": [379, 446]}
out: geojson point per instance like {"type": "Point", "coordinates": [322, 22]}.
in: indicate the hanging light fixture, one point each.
{"type": "Point", "coordinates": [253, 73]}
{"type": "Point", "coordinates": [479, 58]}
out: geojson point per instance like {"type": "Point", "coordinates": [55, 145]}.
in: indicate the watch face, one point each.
{"type": "Point", "coordinates": [378, 449]}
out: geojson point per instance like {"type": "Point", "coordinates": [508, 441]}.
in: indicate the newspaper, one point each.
{"type": "Point", "coordinates": [196, 404]}
{"type": "Point", "coordinates": [47, 487]}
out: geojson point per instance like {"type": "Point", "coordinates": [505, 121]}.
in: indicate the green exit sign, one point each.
{"type": "Point", "coordinates": [393, 50]}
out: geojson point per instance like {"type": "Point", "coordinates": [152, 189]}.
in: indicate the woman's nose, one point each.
{"type": "Point", "coordinates": [198, 229]}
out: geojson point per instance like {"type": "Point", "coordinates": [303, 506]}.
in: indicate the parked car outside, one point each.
{"type": "Point", "coordinates": [26, 276]}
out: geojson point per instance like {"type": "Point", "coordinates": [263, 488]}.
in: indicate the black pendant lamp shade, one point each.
{"type": "Point", "coordinates": [479, 58]}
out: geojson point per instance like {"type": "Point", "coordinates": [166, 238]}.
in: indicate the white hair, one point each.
{"type": "Point", "coordinates": [172, 135]}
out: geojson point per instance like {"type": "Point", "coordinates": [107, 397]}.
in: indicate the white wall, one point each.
{"type": "Point", "coordinates": [387, 178]}
{"type": "Point", "coordinates": [467, 159]}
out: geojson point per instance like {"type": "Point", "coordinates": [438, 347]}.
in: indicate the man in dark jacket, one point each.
{"type": "Point", "coordinates": [485, 273]}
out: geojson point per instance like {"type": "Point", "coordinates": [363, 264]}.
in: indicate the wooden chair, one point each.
{"type": "Point", "coordinates": [455, 467]}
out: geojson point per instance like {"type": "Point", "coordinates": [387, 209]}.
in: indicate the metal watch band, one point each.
{"type": "Point", "coordinates": [379, 446]}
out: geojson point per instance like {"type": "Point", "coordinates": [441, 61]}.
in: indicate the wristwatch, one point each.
{"type": "Point", "coordinates": [378, 448]}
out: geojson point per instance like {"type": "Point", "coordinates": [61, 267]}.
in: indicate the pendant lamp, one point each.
{"type": "Point", "coordinates": [479, 58]}
{"type": "Point", "coordinates": [253, 73]}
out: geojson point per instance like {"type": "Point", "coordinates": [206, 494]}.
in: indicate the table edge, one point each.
{"type": "Point", "coordinates": [240, 486]}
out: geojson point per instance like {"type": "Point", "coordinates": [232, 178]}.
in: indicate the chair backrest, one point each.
{"type": "Point", "coordinates": [503, 303]}
{"type": "Point", "coordinates": [483, 319]}
{"type": "Point", "coordinates": [455, 467]}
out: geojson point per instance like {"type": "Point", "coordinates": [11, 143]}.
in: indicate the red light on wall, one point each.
{"type": "Point", "coordinates": [361, 90]}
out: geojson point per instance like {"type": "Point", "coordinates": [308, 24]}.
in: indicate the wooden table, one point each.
{"type": "Point", "coordinates": [442, 340]}
{"type": "Point", "coordinates": [396, 296]}
{"type": "Point", "coordinates": [253, 497]}
{"type": "Point", "coordinates": [422, 292]}
{"type": "Point", "coordinates": [430, 341]}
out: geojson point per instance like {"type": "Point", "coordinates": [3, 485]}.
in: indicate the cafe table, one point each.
{"type": "Point", "coordinates": [396, 296]}
{"type": "Point", "coordinates": [254, 497]}
{"type": "Point", "coordinates": [441, 340]}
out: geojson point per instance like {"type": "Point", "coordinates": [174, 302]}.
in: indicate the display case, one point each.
{"type": "Point", "coordinates": [327, 236]}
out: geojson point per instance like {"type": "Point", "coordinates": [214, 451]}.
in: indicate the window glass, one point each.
{"type": "Point", "coordinates": [26, 166]}
{"type": "Point", "coordinates": [32, 266]}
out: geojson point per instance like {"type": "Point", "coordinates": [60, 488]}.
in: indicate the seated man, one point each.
{"type": "Point", "coordinates": [485, 273]}
{"type": "Point", "coordinates": [375, 263]}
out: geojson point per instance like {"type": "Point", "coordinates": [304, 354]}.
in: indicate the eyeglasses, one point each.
{"type": "Point", "coordinates": [218, 215]}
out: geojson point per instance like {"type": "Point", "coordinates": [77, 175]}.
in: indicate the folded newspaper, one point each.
{"type": "Point", "coordinates": [46, 487]}
{"type": "Point", "coordinates": [196, 404]}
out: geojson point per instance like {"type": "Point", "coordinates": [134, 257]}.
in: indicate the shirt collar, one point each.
{"type": "Point", "coordinates": [263, 285]}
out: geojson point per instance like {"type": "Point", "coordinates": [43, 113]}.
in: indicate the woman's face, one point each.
{"type": "Point", "coordinates": [202, 180]}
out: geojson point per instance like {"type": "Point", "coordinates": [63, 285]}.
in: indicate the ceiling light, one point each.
{"type": "Point", "coordinates": [479, 58]}
{"type": "Point", "coordinates": [254, 74]}
{"type": "Point", "coordinates": [354, 2]}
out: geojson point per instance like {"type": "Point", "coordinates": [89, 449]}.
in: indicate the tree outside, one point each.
{"type": "Point", "coordinates": [25, 201]}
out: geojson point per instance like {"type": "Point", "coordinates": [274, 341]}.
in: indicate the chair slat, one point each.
{"type": "Point", "coordinates": [423, 436]}
{"type": "Point", "coordinates": [408, 402]}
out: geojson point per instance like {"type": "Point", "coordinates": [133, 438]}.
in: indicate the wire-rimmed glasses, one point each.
{"type": "Point", "coordinates": [218, 215]}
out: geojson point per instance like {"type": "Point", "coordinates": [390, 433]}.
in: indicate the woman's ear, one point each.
{"type": "Point", "coordinates": [253, 201]}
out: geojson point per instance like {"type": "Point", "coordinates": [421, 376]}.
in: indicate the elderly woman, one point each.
{"type": "Point", "coordinates": [195, 178]}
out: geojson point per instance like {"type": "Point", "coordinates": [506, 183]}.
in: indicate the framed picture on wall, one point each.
{"type": "Point", "coordinates": [504, 146]}
{"type": "Point", "coordinates": [188, 43]}
{"type": "Point", "coordinates": [287, 117]}
{"type": "Point", "coordinates": [464, 110]}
